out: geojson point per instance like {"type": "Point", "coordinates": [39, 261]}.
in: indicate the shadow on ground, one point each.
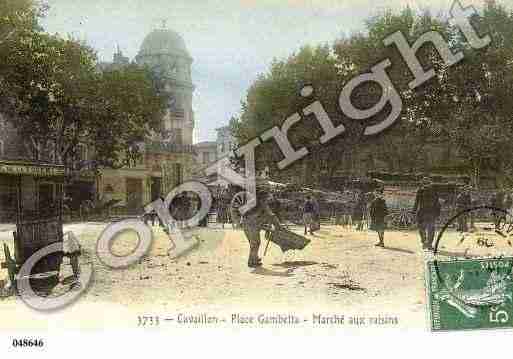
{"type": "Point", "coordinates": [401, 250]}
{"type": "Point", "coordinates": [271, 273]}
{"type": "Point", "coordinates": [295, 264]}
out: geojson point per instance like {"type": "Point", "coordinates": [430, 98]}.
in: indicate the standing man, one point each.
{"type": "Point", "coordinates": [378, 212]}
{"type": "Point", "coordinates": [427, 207]}
{"type": "Point", "coordinates": [497, 202]}
{"type": "Point", "coordinates": [253, 222]}
{"type": "Point", "coordinates": [308, 214]}
{"type": "Point", "coordinates": [463, 203]}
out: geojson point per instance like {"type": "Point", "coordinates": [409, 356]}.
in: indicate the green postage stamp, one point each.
{"type": "Point", "coordinates": [470, 294]}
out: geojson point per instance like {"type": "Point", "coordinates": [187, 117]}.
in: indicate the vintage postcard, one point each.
{"type": "Point", "coordinates": [295, 165]}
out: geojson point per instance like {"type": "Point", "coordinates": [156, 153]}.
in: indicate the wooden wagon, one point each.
{"type": "Point", "coordinates": [36, 230]}
{"type": "Point", "coordinates": [32, 235]}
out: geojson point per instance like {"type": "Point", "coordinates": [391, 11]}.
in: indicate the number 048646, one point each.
{"type": "Point", "coordinates": [28, 343]}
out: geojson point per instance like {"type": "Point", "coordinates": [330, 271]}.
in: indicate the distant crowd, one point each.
{"type": "Point", "coordinates": [366, 211]}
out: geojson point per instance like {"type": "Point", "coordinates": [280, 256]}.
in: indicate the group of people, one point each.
{"type": "Point", "coordinates": [427, 208]}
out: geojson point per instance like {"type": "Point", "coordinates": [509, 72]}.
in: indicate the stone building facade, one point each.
{"type": "Point", "coordinates": [168, 157]}
{"type": "Point", "coordinates": [28, 184]}
{"type": "Point", "coordinates": [206, 153]}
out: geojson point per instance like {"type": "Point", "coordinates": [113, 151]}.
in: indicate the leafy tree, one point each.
{"type": "Point", "coordinates": [465, 108]}
{"type": "Point", "coordinates": [276, 95]}
{"type": "Point", "coordinates": [58, 98]}
{"type": "Point", "coordinates": [18, 18]}
{"type": "Point", "coordinates": [402, 147]}
{"type": "Point", "coordinates": [479, 90]}
{"type": "Point", "coordinates": [128, 107]}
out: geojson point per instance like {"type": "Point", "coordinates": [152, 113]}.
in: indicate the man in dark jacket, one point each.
{"type": "Point", "coordinates": [378, 212]}
{"type": "Point", "coordinates": [427, 207]}
{"type": "Point", "coordinates": [497, 203]}
{"type": "Point", "coordinates": [463, 204]}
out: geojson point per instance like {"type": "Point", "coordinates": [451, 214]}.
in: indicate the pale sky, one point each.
{"type": "Point", "coordinates": [231, 41]}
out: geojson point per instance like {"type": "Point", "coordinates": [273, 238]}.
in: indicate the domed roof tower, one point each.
{"type": "Point", "coordinates": [165, 53]}
{"type": "Point", "coordinates": [163, 41]}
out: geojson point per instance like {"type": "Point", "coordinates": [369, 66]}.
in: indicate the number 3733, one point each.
{"type": "Point", "coordinates": [148, 321]}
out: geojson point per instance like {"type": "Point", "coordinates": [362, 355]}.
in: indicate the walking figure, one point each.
{"type": "Point", "coordinates": [427, 207]}
{"type": "Point", "coordinates": [378, 212]}
{"type": "Point", "coordinates": [253, 222]}
{"type": "Point", "coordinates": [308, 214]}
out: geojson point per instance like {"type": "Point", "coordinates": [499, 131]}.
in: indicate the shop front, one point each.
{"type": "Point", "coordinates": [29, 189]}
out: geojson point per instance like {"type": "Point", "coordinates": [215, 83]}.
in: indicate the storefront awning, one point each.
{"type": "Point", "coordinates": [31, 169]}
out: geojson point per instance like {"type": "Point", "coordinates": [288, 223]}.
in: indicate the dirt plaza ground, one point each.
{"type": "Point", "coordinates": [340, 272]}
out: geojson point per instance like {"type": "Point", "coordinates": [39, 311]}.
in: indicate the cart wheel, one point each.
{"type": "Point", "coordinates": [403, 219]}
{"type": "Point", "coordinates": [10, 264]}
{"type": "Point", "coordinates": [238, 201]}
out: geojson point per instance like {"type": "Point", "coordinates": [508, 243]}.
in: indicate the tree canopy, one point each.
{"type": "Point", "coordinates": [465, 106]}
{"type": "Point", "coordinates": [58, 98]}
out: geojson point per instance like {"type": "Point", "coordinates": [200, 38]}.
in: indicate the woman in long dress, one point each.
{"type": "Point", "coordinates": [378, 212]}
